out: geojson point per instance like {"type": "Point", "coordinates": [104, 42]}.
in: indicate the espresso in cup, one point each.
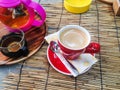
{"type": "Point", "coordinates": [14, 45]}
{"type": "Point", "coordinates": [74, 38]}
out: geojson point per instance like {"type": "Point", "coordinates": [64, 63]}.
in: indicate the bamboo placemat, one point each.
{"type": "Point", "coordinates": [37, 74]}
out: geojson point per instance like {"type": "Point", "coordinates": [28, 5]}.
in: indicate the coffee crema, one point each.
{"type": "Point", "coordinates": [14, 46]}
{"type": "Point", "coordinates": [74, 38]}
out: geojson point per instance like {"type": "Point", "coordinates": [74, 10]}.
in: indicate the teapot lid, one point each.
{"type": "Point", "coordinates": [9, 3]}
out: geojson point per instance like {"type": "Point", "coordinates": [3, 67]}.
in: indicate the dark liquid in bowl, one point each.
{"type": "Point", "coordinates": [15, 48]}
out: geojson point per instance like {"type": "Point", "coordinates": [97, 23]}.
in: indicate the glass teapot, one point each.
{"type": "Point", "coordinates": [20, 14]}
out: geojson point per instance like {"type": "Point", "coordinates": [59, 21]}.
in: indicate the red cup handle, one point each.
{"type": "Point", "coordinates": [93, 48]}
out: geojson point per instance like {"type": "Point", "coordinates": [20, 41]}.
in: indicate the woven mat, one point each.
{"type": "Point", "coordinates": [37, 74]}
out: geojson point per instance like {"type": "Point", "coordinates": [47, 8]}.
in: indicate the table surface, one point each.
{"type": "Point", "coordinates": [35, 73]}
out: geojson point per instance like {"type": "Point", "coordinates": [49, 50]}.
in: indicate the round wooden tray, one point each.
{"type": "Point", "coordinates": [107, 1]}
{"type": "Point", "coordinates": [35, 39]}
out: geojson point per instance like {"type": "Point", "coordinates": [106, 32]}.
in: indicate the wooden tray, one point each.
{"type": "Point", "coordinates": [107, 1]}
{"type": "Point", "coordinates": [35, 38]}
